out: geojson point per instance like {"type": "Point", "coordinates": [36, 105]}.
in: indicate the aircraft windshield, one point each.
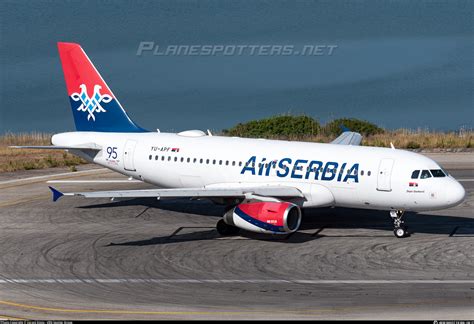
{"type": "Point", "coordinates": [415, 174]}
{"type": "Point", "coordinates": [438, 173]}
{"type": "Point", "coordinates": [425, 174]}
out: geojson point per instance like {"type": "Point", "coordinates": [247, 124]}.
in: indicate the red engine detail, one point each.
{"type": "Point", "coordinates": [265, 217]}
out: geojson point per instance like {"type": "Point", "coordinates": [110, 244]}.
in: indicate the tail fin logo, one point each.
{"type": "Point", "coordinates": [92, 104]}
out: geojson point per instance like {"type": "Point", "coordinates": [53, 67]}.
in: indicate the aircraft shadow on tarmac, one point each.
{"type": "Point", "coordinates": [314, 224]}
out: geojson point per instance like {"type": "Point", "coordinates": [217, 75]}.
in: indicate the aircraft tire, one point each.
{"type": "Point", "coordinates": [226, 229]}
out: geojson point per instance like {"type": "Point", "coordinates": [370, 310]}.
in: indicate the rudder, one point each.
{"type": "Point", "coordinates": [93, 104]}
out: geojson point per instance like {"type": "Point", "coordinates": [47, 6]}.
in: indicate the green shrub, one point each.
{"type": "Point", "coordinates": [51, 162]}
{"type": "Point", "coordinates": [413, 145]}
{"type": "Point", "coordinates": [355, 125]}
{"type": "Point", "coordinates": [31, 165]}
{"type": "Point", "coordinates": [278, 126]}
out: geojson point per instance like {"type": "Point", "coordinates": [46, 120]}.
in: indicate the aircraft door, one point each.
{"type": "Point", "coordinates": [128, 155]}
{"type": "Point", "coordinates": [384, 175]}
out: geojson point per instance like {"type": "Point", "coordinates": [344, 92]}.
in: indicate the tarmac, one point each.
{"type": "Point", "coordinates": [147, 259]}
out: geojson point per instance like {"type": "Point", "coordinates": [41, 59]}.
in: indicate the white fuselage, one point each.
{"type": "Point", "coordinates": [327, 174]}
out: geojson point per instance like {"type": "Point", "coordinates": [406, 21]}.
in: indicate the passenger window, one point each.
{"type": "Point", "coordinates": [425, 174]}
{"type": "Point", "coordinates": [220, 162]}
{"type": "Point", "coordinates": [415, 174]}
{"type": "Point", "coordinates": [182, 159]}
{"type": "Point", "coordinates": [175, 159]}
{"type": "Point", "coordinates": [169, 158]}
{"type": "Point", "coordinates": [233, 163]}
{"type": "Point", "coordinates": [150, 157]}
{"type": "Point", "coordinates": [362, 172]}
{"type": "Point", "coordinates": [368, 173]}
{"type": "Point", "coordinates": [438, 173]}
{"type": "Point", "coordinates": [240, 163]}
{"type": "Point", "coordinates": [189, 160]}
{"type": "Point", "coordinates": [207, 161]}
{"type": "Point", "coordinates": [162, 158]}
{"type": "Point", "coordinates": [200, 161]}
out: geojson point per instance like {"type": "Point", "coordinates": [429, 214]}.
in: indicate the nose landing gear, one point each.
{"type": "Point", "coordinates": [399, 229]}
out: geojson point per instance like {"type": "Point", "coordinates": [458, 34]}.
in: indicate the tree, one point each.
{"type": "Point", "coordinates": [276, 126]}
{"type": "Point", "coordinates": [356, 125]}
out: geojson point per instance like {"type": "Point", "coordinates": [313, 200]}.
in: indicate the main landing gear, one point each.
{"type": "Point", "coordinates": [225, 229]}
{"type": "Point", "coordinates": [399, 229]}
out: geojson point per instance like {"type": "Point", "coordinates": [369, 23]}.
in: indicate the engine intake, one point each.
{"type": "Point", "coordinates": [265, 217]}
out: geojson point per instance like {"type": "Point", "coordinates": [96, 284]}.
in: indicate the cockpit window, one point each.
{"type": "Point", "coordinates": [425, 174]}
{"type": "Point", "coordinates": [415, 174]}
{"type": "Point", "coordinates": [438, 173]}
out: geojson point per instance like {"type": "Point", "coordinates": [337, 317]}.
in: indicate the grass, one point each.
{"type": "Point", "coordinates": [27, 159]}
{"type": "Point", "coordinates": [422, 139]}
{"type": "Point", "coordinates": [403, 139]}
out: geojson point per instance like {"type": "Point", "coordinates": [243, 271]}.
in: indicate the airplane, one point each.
{"type": "Point", "coordinates": [264, 184]}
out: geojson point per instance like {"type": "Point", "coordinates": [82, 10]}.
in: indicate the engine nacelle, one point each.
{"type": "Point", "coordinates": [265, 217]}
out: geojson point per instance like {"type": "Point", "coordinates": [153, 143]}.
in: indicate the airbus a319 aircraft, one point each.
{"type": "Point", "coordinates": [264, 183]}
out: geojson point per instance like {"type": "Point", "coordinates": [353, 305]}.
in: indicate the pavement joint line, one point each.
{"type": "Point", "coordinates": [233, 281]}
{"type": "Point", "coordinates": [23, 200]}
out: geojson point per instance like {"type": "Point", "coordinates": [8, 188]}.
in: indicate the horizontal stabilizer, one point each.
{"type": "Point", "coordinates": [52, 147]}
{"type": "Point", "coordinates": [348, 138]}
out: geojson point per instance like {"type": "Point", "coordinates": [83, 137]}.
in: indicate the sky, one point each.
{"type": "Point", "coordinates": [399, 64]}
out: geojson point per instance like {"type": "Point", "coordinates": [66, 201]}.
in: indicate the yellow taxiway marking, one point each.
{"type": "Point", "coordinates": [124, 312]}
{"type": "Point", "coordinates": [10, 318]}
{"type": "Point", "coordinates": [301, 312]}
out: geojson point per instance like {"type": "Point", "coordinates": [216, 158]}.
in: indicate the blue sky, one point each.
{"type": "Point", "coordinates": [397, 63]}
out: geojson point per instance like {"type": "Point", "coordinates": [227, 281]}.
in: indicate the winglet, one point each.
{"type": "Point", "coordinates": [344, 128]}
{"type": "Point", "coordinates": [56, 193]}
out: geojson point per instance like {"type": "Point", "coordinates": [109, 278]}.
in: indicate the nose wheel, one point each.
{"type": "Point", "coordinates": [399, 229]}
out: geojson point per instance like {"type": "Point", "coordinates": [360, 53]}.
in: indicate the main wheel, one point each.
{"type": "Point", "coordinates": [226, 229]}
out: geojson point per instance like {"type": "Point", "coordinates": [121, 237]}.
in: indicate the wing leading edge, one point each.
{"type": "Point", "coordinates": [267, 191]}
{"type": "Point", "coordinates": [348, 138]}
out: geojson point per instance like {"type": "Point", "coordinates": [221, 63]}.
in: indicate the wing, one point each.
{"type": "Point", "coordinates": [348, 138]}
{"type": "Point", "coordinates": [265, 191]}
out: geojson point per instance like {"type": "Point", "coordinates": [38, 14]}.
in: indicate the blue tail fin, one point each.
{"type": "Point", "coordinates": [93, 104]}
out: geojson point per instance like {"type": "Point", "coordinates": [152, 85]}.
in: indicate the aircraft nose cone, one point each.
{"type": "Point", "coordinates": [455, 193]}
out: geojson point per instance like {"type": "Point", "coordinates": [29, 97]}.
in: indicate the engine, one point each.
{"type": "Point", "coordinates": [265, 217]}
